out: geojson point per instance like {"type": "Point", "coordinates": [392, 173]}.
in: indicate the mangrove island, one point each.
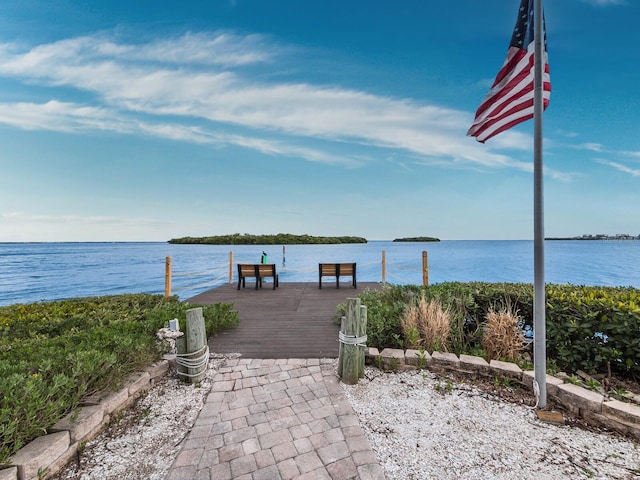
{"type": "Point", "coordinates": [417, 239]}
{"type": "Point", "coordinates": [278, 239]}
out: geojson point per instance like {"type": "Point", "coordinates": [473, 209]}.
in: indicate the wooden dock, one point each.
{"type": "Point", "coordinates": [293, 321]}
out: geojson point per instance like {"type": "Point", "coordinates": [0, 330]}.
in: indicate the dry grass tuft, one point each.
{"type": "Point", "coordinates": [427, 325]}
{"type": "Point", "coordinates": [502, 338]}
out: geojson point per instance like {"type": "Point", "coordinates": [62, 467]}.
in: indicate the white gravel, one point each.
{"type": "Point", "coordinates": [420, 427]}
{"type": "Point", "coordinates": [143, 441]}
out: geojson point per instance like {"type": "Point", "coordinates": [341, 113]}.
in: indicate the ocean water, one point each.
{"type": "Point", "coordinates": [31, 272]}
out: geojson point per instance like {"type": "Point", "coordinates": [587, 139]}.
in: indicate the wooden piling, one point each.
{"type": "Point", "coordinates": [191, 348]}
{"type": "Point", "coordinates": [167, 277]}
{"type": "Point", "coordinates": [425, 269]}
{"type": "Point", "coordinates": [181, 349]}
{"type": "Point", "coordinates": [353, 335]}
{"type": "Point", "coordinates": [196, 342]}
{"type": "Point", "coordinates": [231, 266]}
{"type": "Point", "coordinates": [384, 266]}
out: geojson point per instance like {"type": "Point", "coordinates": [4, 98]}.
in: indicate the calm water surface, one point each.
{"type": "Point", "coordinates": [46, 271]}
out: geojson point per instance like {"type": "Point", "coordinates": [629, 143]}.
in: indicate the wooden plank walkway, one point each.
{"type": "Point", "coordinates": [293, 321]}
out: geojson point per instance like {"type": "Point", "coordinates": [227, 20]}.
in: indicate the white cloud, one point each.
{"type": "Point", "coordinates": [605, 3]}
{"type": "Point", "coordinates": [593, 147]}
{"type": "Point", "coordinates": [634, 172]}
{"type": "Point", "coordinates": [25, 227]}
{"type": "Point", "coordinates": [161, 86]}
{"type": "Point", "coordinates": [60, 117]}
{"type": "Point", "coordinates": [19, 217]}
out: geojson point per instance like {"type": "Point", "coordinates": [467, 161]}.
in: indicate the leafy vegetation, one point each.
{"type": "Point", "coordinates": [279, 239]}
{"type": "Point", "coordinates": [53, 354]}
{"type": "Point", "coordinates": [594, 329]}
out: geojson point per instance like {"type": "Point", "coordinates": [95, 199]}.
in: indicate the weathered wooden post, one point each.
{"type": "Point", "coordinates": [181, 352]}
{"type": "Point", "coordinates": [192, 349]}
{"type": "Point", "coordinates": [425, 269]}
{"type": "Point", "coordinates": [167, 277]}
{"type": "Point", "coordinates": [384, 266]}
{"type": "Point", "coordinates": [353, 335]}
{"type": "Point", "coordinates": [231, 266]}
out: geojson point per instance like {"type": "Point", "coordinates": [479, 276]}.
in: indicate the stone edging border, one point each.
{"type": "Point", "coordinates": [591, 406]}
{"type": "Point", "coordinates": [48, 454]}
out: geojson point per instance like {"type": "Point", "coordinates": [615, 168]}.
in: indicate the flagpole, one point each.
{"type": "Point", "coordinates": [539, 301]}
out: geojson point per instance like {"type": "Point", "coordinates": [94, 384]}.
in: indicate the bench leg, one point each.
{"type": "Point", "coordinates": [337, 282]}
{"type": "Point", "coordinates": [354, 281]}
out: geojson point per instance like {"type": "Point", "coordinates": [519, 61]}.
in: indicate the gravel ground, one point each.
{"type": "Point", "coordinates": [143, 441]}
{"type": "Point", "coordinates": [424, 427]}
{"type": "Point", "coordinates": [419, 426]}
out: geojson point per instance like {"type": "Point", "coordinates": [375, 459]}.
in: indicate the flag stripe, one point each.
{"type": "Point", "coordinates": [510, 99]}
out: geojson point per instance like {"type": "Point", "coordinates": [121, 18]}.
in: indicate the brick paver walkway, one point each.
{"type": "Point", "coordinates": [276, 419]}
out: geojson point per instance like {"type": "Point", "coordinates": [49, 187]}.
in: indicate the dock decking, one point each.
{"type": "Point", "coordinates": [293, 321]}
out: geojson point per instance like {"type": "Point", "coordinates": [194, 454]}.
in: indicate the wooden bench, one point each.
{"type": "Point", "coordinates": [257, 271]}
{"type": "Point", "coordinates": [337, 270]}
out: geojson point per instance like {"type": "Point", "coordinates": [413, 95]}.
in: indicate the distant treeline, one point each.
{"type": "Point", "coordinates": [279, 239]}
{"type": "Point", "coordinates": [417, 239]}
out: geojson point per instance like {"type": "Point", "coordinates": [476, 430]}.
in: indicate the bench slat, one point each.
{"type": "Point", "coordinates": [259, 271]}
{"type": "Point", "coordinates": [337, 270]}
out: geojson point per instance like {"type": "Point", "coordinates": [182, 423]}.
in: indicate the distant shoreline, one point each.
{"type": "Point", "coordinates": [597, 237]}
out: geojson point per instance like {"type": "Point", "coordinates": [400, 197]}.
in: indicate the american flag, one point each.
{"type": "Point", "coordinates": [510, 100]}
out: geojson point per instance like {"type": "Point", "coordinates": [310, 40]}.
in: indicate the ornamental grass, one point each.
{"type": "Point", "coordinates": [427, 325]}
{"type": "Point", "coordinates": [502, 339]}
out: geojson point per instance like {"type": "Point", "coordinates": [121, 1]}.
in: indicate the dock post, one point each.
{"type": "Point", "coordinates": [353, 335]}
{"type": "Point", "coordinates": [192, 349]}
{"type": "Point", "coordinates": [231, 266]}
{"type": "Point", "coordinates": [425, 269]}
{"type": "Point", "coordinates": [384, 266]}
{"type": "Point", "coordinates": [181, 351]}
{"type": "Point", "coordinates": [167, 277]}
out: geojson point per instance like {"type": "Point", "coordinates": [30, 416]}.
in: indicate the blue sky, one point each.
{"type": "Point", "coordinates": [148, 120]}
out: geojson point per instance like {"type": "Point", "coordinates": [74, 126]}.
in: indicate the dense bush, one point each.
{"type": "Point", "coordinates": [595, 329]}
{"type": "Point", "coordinates": [52, 354]}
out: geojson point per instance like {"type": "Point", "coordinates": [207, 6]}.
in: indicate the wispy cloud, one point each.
{"type": "Point", "coordinates": [161, 87]}
{"type": "Point", "coordinates": [592, 147]}
{"type": "Point", "coordinates": [61, 117]}
{"type": "Point", "coordinates": [605, 3]}
{"type": "Point", "coordinates": [634, 172]}
{"type": "Point", "coordinates": [19, 217]}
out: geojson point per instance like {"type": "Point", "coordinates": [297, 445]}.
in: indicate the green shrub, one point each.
{"type": "Point", "coordinates": [595, 329]}
{"type": "Point", "coordinates": [52, 354]}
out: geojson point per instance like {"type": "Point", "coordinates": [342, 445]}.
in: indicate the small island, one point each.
{"type": "Point", "coordinates": [278, 239]}
{"type": "Point", "coordinates": [417, 239]}
{"type": "Point", "coordinates": [600, 236]}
